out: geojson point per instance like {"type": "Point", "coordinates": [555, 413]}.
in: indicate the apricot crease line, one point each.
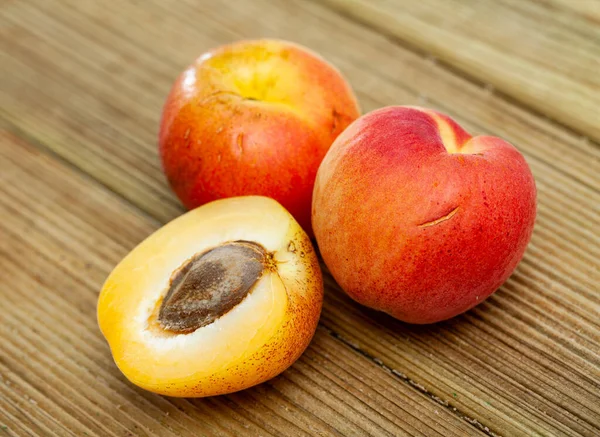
{"type": "Point", "coordinates": [441, 219]}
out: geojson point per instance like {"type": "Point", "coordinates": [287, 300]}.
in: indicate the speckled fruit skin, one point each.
{"type": "Point", "coordinates": [253, 117]}
{"type": "Point", "coordinates": [416, 218]}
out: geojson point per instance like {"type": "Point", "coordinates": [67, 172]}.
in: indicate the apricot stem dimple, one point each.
{"type": "Point", "coordinates": [211, 284]}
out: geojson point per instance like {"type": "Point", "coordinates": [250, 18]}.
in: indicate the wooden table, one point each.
{"type": "Point", "coordinates": [82, 84]}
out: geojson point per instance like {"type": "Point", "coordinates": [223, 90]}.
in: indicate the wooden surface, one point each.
{"type": "Point", "coordinates": [82, 84]}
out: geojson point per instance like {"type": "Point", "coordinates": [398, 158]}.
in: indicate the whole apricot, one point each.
{"type": "Point", "coordinates": [253, 118]}
{"type": "Point", "coordinates": [417, 218]}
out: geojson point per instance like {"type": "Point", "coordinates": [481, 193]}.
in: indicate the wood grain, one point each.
{"type": "Point", "coordinates": [589, 9]}
{"type": "Point", "coordinates": [539, 61]}
{"type": "Point", "coordinates": [84, 115]}
{"type": "Point", "coordinates": [60, 235]}
{"type": "Point", "coordinates": [86, 83]}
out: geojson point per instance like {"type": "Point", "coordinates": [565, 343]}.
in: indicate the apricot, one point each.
{"type": "Point", "coordinates": [415, 217]}
{"type": "Point", "coordinates": [253, 118]}
{"type": "Point", "coordinates": [222, 298]}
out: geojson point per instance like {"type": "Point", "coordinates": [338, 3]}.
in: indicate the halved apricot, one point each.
{"type": "Point", "coordinates": [220, 299]}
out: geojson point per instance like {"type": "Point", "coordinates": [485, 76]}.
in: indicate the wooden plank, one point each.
{"type": "Point", "coordinates": [589, 9]}
{"type": "Point", "coordinates": [546, 64]}
{"type": "Point", "coordinates": [60, 235]}
{"type": "Point", "coordinates": [107, 122]}
{"type": "Point", "coordinates": [71, 64]}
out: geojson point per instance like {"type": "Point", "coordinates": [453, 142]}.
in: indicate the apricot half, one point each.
{"type": "Point", "coordinates": [220, 299]}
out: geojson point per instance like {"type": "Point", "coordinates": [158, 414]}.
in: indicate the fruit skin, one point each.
{"type": "Point", "coordinates": [254, 342]}
{"type": "Point", "coordinates": [253, 117]}
{"type": "Point", "coordinates": [415, 218]}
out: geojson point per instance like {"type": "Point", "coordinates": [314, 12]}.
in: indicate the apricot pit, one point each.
{"type": "Point", "coordinates": [211, 284]}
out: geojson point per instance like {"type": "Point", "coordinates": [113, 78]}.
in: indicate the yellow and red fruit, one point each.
{"type": "Point", "coordinates": [416, 218]}
{"type": "Point", "coordinates": [253, 118]}
{"type": "Point", "coordinates": [220, 299]}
